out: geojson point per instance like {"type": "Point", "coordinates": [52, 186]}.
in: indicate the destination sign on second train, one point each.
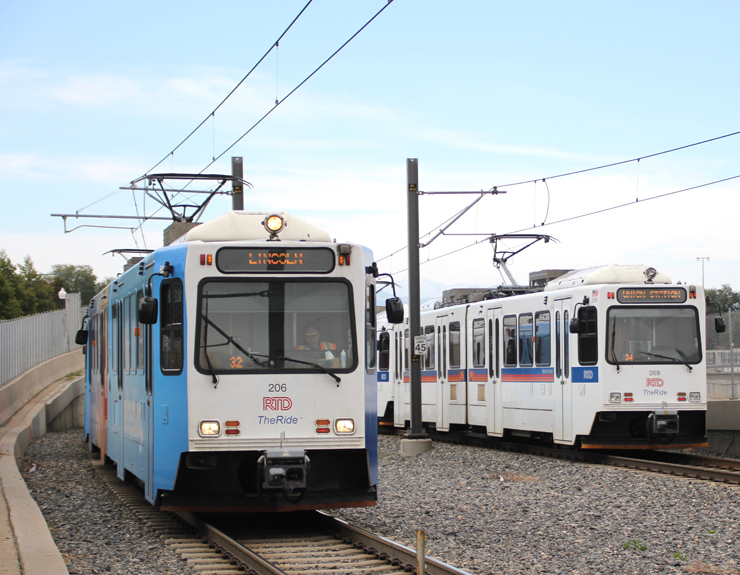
{"type": "Point", "coordinates": [651, 295]}
{"type": "Point", "coordinates": [250, 260]}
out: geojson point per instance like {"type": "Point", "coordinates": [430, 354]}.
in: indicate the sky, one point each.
{"type": "Point", "coordinates": [483, 93]}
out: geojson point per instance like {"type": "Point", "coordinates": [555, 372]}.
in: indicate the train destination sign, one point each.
{"type": "Point", "coordinates": [651, 295]}
{"type": "Point", "coordinates": [278, 260]}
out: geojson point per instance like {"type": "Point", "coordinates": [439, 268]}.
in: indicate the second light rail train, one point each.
{"type": "Point", "coordinates": [606, 357]}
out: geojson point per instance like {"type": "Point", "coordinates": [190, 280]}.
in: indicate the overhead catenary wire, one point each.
{"type": "Point", "coordinates": [571, 218]}
{"type": "Point", "coordinates": [573, 173]}
{"type": "Point", "coordinates": [213, 113]}
{"type": "Point", "coordinates": [295, 89]}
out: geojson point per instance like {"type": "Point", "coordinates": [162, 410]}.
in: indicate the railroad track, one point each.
{"type": "Point", "coordinates": [305, 543]}
{"type": "Point", "coordinates": [680, 464]}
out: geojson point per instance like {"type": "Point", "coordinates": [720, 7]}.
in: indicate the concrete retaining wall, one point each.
{"type": "Point", "coordinates": [18, 392]}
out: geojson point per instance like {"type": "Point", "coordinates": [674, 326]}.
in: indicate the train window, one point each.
{"type": "Point", "coordinates": [370, 328]}
{"type": "Point", "coordinates": [133, 332]}
{"type": "Point", "coordinates": [397, 354]}
{"type": "Point", "coordinates": [566, 345]}
{"type": "Point", "coordinates": [510, 340]}
{"type": "Point", "coordinates": [558, 364]}
{"type": "Point", "coordinates": [279, 325]}
{"type": "Point", "coordinates": [443, 351]}
{"type": "Point", "coordinates": [139, 336]}
{"type": "Point", "coordinates": [384, 351]}
{"type": "Point", "coordinates": [542, 345]}
{"type": "Point", "coordinates": [496, 348]}
{"type": "Point", "coordinates": [479, 342]}
{"type": "Point", "coordinates": [406, 362]}
{"type": "Point", "coordinates": [429, 359]}
{"type": "Point", "coordinates": [653, 335]}
{"type": "Point", "coordinates": [171, 340]}
{"type": "Point", "coordinates": [455, 344]}
{"type": "Point", "coordinates": [525, 339]}
{"type": "Point", "coordinates": [126, 334]}
{"type": "Point", "coordinates": [588, 349]}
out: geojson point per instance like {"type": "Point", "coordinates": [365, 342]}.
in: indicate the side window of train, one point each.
{"type": "Point", "coordinates": [384, 351]}
{"type": "Point", "coordinates": [171, 330]}
{"type": "Point", "coordinates": [542, 338]}
{"type": "Point", "coordinates": [397, 353]}
{"type": "Point", "coordinates": [566, 345]}
{"type": "Point", "coordinates": [525, 339]}
{"type": "Point", "coordinates": [406, 344]}
{"type": "Point", "coordinates": [429, 359]}
{"type": "Point", "coordinates": [558, 365]}
{"type": "Point", "coordinates": [455, 344]}
{"type": "Point", "coordinates": [139, 335]}
{"type": "Point", "coordinates": [133, 332]}
{"type": "Point", "coordinates": [370, 329]}
{"type": "Point", "coordinates": [587, 336]}
{"type": "Point", "coordinates": [479, 342]}
{"type": "Point", "coordinates": [510, 340]}
{"type": "Point", "coordinates": [126, 335]}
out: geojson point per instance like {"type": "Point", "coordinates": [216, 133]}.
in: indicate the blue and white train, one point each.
{"type": "Point", "coordinates": [608, 357]}
{"type": "Point", "coordinates": [234, 370]}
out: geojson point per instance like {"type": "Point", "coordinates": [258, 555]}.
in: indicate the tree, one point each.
{"type": "Point", "coordinates": [74, 279]}
{"type": "Point", "coordinates": [724, 296]}
{"type": "Point", "coordinates": [10, 307]}
{"type": "Point", "coordinates": [34, 294]}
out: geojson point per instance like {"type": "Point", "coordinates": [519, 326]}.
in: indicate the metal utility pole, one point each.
{"type": "Point", "coordinates": [237, 189]}
{"type": "Point", "coordinates": [702, 260]}
{"type": "Point", "coordinates": [412, 178]}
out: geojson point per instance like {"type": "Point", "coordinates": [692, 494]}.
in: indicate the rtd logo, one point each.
{"type": "Point", "coordinates": [654, 382]}
{"type": "Point", "coordinates": [276, 403]}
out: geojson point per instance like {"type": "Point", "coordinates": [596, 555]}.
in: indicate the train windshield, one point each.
{"type": "Point", "coordinates": [653, 335]}
{"type": "Point", "coordinates": [276, 325]}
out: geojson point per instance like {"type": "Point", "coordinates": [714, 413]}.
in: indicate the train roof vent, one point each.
{"type": "Point", "coordinates": [240, 225]}
{"type": "Point", "coordinates": [609, 274]}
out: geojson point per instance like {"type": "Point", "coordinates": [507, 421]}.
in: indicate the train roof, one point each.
{"type": "Point", "coordinates": [608, 274]}
{"type": "Point", "coordinates": [241, 225]}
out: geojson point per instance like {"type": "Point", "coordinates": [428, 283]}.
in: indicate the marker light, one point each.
{"type": "Point", "coordinates": [628, 397]}
{"type": "Point", "coordinates": [209, 429]}
{"type": "Point", "coordinates": [650, 273]}
{"type": "Point", "coordinates": [615, 397]}
{"type": "Point", "coordinates": [274, 224]}
{"type": "Point", "coordinates": [322, 425]}
{"type": "Point", "coordinates": [344, 426]}
{"type": "Point", "coordinates": [695, 396]}
{"type": "Point", "coordinates": [681, 396]}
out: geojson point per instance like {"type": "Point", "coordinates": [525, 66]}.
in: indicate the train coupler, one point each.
{"type": "Point", "coordinates": [664, 422]}
{"type": "Point", "coordinates": [284, 469]}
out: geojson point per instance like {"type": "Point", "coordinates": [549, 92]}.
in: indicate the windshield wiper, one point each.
{"type": "Point", "coordinates": [232, 341]}
{"type": "Point", "coordinates": [316, 365]}
{"type": "Point", "coordinates": [667, 357]}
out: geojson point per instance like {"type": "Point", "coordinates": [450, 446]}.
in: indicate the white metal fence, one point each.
{"type": "Point", "coordinates": [28, 341]}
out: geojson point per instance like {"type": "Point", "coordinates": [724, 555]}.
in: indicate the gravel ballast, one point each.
{"type": "Point", "coordinates": [486, 512]}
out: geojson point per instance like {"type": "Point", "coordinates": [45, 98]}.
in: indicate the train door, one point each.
{"type": "Point", "coordinates": [494, 405]}
{"type": "Point", "coordinates": [114, 384]}
{"type": "Point", "coordinates": [399, 391]}
{"type": "Point", "coordinates": [442, 395]}
{"type": "Point", "coordinates": [562, 400]}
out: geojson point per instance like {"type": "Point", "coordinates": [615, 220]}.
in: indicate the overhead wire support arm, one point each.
{"type": "Point", "coordinates": [462, 213]}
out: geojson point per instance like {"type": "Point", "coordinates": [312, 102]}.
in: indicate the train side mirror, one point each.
{"type": "Point", "coordinates": [394, 310]}
{"type": "Point", "coordinates": [81, 337]}
{"type": "Point", "coordinates": [574, 325]}
{"type": "Point", "coordinates": [148, 310]}
{"type": "Point", "coordinates": [719, 324]}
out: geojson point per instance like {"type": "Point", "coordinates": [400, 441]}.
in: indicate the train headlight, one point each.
{"type": "Point", "coordinates": [694, 396]}
{"type": "Point", "coordinates": [209, 429]}
{"type": "Point", "coordinates": [615, 397]}
{"type": "Point", "coordinates": [344, 426]}
{"type": "Point", "coordinates": [274, 224]}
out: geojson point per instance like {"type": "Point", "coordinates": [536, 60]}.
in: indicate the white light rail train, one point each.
{"type": "Point", "coordinates": [234, 370]}
{"type": "Point", "coordinates": [603, 358]}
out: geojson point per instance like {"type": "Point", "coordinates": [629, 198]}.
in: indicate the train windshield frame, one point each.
{"type": "Point", "coordinates": [275, 325]}
{"type": "Point", "coordinates": [653, 335]}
